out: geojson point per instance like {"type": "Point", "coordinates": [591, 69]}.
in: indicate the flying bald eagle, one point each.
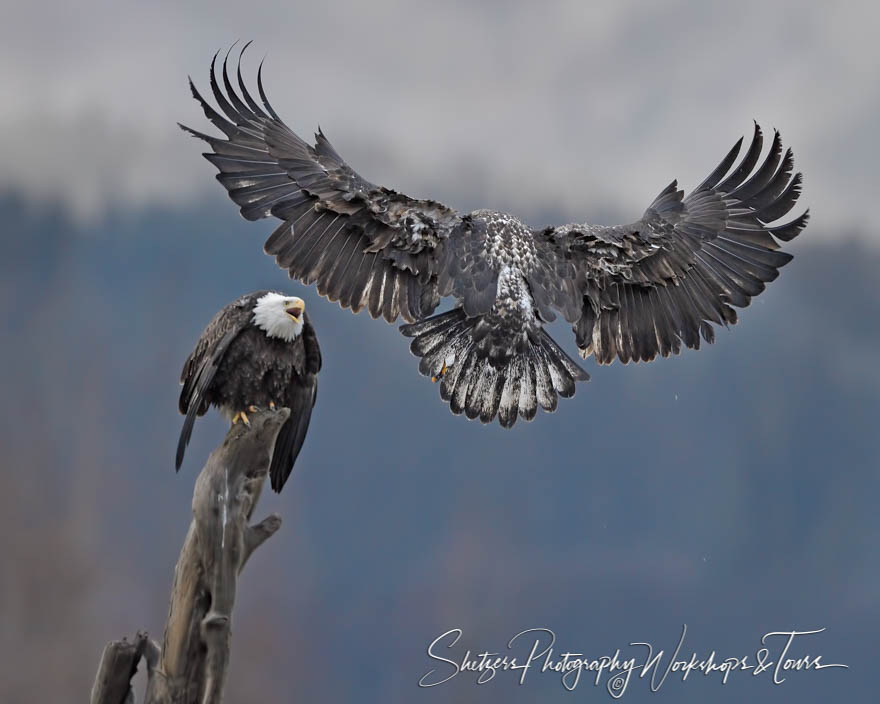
{"type": "Point", "coordinates": [258, 352]}
{"type": "Point", "coordinates": [631, 292]}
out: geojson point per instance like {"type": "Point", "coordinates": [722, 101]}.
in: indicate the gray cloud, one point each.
{"type": "Point", "coordinates": [576, 108]}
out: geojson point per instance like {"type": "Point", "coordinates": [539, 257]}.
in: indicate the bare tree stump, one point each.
{"type": "Point", "coordinates": [118, 665]}
{"type": "Point", "coordinates": [190, 668]}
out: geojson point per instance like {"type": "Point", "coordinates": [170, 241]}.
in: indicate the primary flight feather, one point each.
{"type": "Point", "coordinates": [631, 292]}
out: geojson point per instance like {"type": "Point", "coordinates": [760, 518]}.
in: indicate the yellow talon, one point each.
{"type": "Point", "coordinates": [439, 376]}
{"type": "Point", "coordinates": [271, 405]}
{"type": "Point", "coordinates": [244, 418]}
{"type": "Point", "coordinates": [252, 408]}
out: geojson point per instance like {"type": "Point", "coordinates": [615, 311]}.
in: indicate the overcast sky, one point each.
{"type": "Point", "coordinates": [577, 108]}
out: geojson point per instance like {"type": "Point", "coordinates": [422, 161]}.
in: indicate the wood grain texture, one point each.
{"type": "Point", "coordinates": [191, 665]}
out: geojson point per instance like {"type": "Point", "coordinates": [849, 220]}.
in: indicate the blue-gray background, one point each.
{"type": "Point", "coordinates": [732, 489]}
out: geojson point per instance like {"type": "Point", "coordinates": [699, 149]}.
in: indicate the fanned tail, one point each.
{"type": "Point", "coordinates": [534, 374]}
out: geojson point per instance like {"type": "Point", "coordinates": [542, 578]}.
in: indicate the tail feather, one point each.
{"type": "Point", "coordinates": [459, 392]}
{"type": "Point", "coordinates": [429, 325]}
{"type": "Point", "coordinates": [435, 352]}
{"type": "Point", "coordinates": [460, 351]}
{"type": "Point", "coordinates": [564, 372]}
{"type": "Point", "coordinates": [528, 397]}
{"type": "Point", "coordinates": [493, 395]}
{"type": "Point", "coordinates": [482, 376]}
{"type": "Point", "coordinates": [543, 382]}
{"type": "Point", "coordinates": [485, 387]}
{"type": "Point", "coordinates": [429, 342]}
{"type": "Point", "coordinates": [511, 395]}
{"type": "Point", "coordinates": [436, 344]}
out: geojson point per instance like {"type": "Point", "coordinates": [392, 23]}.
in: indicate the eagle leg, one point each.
{"type": "Point", "coordinates": [242, 416]}
{"type": "Point", "coordinates": [439, 374]}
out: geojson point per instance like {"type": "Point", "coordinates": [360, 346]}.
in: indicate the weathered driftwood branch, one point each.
{"type": "Point", "coordinates": [190, 668]}
{"type": "Point", "coordinates": [119, 664]}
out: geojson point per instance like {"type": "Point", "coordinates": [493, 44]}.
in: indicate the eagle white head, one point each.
{"type": "Point", "coordinates": [279, 315]}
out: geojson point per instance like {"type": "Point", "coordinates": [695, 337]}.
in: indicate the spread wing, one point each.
{"type": "Point", "coordinates": [649, 287]}
{"type": "Point", "coordinates": [201, 365]}
{"type": "Point", "coordinates": [363, 245]}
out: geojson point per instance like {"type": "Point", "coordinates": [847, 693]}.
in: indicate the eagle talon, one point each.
{"type": "Point", "coordinates": [252, 408]}
{"type": "Point", "coordinates": [244, 419]}
{"type": "Point", "coordinates": [440, 374]}
{"type": "Point", "coordinates": [271, 405]}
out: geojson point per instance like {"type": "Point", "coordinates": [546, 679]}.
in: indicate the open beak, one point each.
{"type": "Point", "coordinates": [295, 309]}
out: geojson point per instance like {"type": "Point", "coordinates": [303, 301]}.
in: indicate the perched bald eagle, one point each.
{"type": "Point", "coordinates": [258, 352]}
{"type": "Point", "coordinates": [631, 292]}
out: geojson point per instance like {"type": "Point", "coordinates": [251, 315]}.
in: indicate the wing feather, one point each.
{"type": "Point", "coordinates": [292, 434]}
{"type": "Point", "coordinates": [202, 364]}
{"type": "Point", "coordinates": [689, 262]}
{"type": "Point", "coordinates": [269, 170]}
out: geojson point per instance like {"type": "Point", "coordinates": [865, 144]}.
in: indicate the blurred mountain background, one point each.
{"type": "Point", "coordinates": [733, 489]}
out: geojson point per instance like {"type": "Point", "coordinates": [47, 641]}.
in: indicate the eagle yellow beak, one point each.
{"type": "Point", "coordinates": [295, 309]}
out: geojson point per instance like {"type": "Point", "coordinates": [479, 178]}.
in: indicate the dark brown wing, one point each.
{"type": "Point", "coordinates": [653, 285]}
{"type": "Point", "coordinates": [293, 433]}
{"type": "Point", "coordinates": [363, 245]}
{"type": "Point", "coordinates": [201, 365]}
{"type": "Point", "coordinates": [301, 399]}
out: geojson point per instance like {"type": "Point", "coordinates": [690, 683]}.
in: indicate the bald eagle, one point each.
{"type": "Point", "coordinates": [258, 352]}
{"type": "Point", "coordinates": [630, 292]}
